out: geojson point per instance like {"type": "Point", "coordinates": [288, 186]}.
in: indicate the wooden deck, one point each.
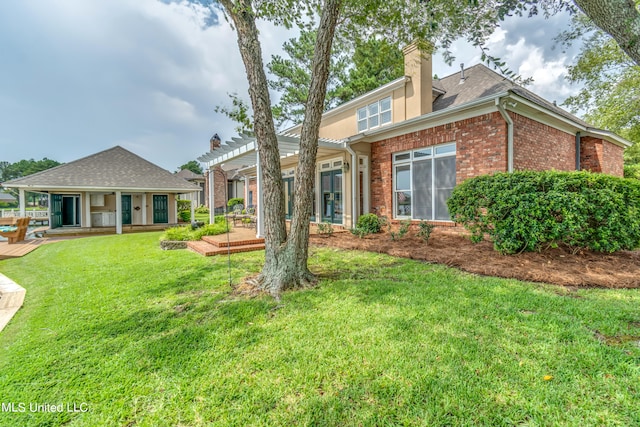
{"type": "Point", "coordinates": [17, 250]}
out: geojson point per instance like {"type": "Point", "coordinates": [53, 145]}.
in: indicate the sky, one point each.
{"type": "Point", "coordinates": [81, 76]}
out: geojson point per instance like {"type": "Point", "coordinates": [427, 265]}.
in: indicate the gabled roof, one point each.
{"type": "Point", "coordinates": [6, 197]}
{"type": "Point", "coordinates": [479, 82]}
{"type": "Point", "coordinates": [112, 169]}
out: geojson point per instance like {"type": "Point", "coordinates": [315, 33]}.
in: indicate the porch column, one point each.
{"type": "Point", "coordinates": [194, 199]}
{"type": "Point", "coordinates": [118, 212]}
{"type": "Point", "coordinates": [22, 202]}
{"type": "Point", "coordinates": [144, 208]}
{"type": "Point", "coordinates": [260, 210]}
{"type": "Point", "coordinates": [87, 210]}
{"type": "Point", "coordinates": [212, 214]}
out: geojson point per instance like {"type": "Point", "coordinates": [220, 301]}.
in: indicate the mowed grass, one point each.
{"type": "Point", "coordinates": [153, 338]}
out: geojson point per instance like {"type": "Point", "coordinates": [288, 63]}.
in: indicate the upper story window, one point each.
{"type": "Point", "coordinates": [375, 114]}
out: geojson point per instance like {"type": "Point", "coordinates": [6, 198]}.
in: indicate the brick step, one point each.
{"type": "Point", "coordinates": [222, 243]}
{"type": "Point", "coordinates": [207, 249]}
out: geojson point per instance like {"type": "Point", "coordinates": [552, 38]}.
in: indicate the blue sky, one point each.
{"type": "Point", "coordinates": [81, 76]}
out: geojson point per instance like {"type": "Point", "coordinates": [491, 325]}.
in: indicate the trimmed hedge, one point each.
{"type": "Point", "coordinates": [527, 211]}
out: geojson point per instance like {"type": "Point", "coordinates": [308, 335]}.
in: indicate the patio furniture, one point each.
{"type": "Point", "coordinates": [236, 214]}
{"type": "Point", "coordinates": [17, 228]}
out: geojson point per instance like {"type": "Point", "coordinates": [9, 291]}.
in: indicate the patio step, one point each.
{"type": "Point", "coordinates": [208, 249]}
{"type": "Point", "coordinates": [221, 242]}
{"type": "Point", "coordinates": [11, 299]}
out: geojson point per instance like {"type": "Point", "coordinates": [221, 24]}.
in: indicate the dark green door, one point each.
{"type": "Point", "coordinates": [56, 210]}
{"type": "Point", "coordinates": [288, 196]}
{"type": "Point", "coordinates": [126, 209]}
{"type": "Point", "coordinates": [160, 209]}
{"type": "Point", "coordinates": [331, 191]}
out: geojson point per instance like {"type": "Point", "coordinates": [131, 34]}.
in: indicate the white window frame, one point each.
{"type": "Point", "coordinates": [364, 116]}
{"type": "Point", "coordinates": [410, 161]}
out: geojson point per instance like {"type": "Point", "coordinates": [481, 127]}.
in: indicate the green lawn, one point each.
{"type": "Point", "coordinates": [152, 338]}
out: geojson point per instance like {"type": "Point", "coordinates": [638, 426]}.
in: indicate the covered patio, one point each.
{"type": "Point", "coordinates": [334, 185]}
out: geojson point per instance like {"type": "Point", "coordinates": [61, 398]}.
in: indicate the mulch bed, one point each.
{"type": "Point", "coordinates": [451, 246]}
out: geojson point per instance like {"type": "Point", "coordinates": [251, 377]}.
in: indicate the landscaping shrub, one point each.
{"type": "Point", "coordinates": [202, 210]}
{"type": "Point", "coordinates": [184, 205]}
{"type": "Point", "coordinates": [424, 230]}
{"type": "Point", "coordinates": [235, 201]}
{"type": "Point", "coordinates": [185, 215]}
{"type": "Point", "coordinates": [325, 229]}
{"type": "Point", "coordinates": [527, 211]}
{"type": "Point", "coordinates": [402, 230]}
{"type": "Point", "coordinates": [184, 233]}
{"type": "Point", "coordinates": [369, 223]}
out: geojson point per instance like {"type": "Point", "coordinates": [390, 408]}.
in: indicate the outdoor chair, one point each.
{"type": "Point", "coordinates": [14, 229]}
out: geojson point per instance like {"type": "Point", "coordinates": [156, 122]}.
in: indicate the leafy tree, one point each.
{"type": "Point", "coordinates": [610, 96]}
{"type": "Point", "coordinates": [239, 112]}
{"type": "Point", "coordinates": [192, 165]}
{"type": "Point", "coordinates": [22, 168]}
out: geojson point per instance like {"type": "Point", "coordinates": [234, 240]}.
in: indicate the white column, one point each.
{"type": "Point", "coordinates": [22, 202]}
{"type": "Point", "coordinates": [144, 208]}
{"type": "Point", "coordinates": [118, 212]}
{"type": "Point", "coordinates": [49, 208]}
{"type": "Point", "coordinates": [260, 197]}
{"type": "Point", "coordinates": [194, 199]}
{"type": "Point", "coordinates": [87, 210]}
{"type": "Point", "coordinates": [212, 215]}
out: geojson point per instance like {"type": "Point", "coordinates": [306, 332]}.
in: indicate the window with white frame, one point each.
{"type": "Point", "coordinates": [423, 182]}
{"type": "Point", "coordinates": [375, 114]}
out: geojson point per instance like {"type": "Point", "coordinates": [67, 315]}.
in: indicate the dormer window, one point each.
{"type": "Point", "coordinates": [375, 114]}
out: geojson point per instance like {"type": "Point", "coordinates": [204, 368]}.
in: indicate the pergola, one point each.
{"type": "Point", "coordinates": [241, 153]}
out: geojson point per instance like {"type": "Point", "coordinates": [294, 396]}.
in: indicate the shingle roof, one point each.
{"type": "Point", "coordinates": [189, 175]}
{"type": "Point", "coordinates": [479, 82]}
{"type": "Point", "coordinates": [115, 168]}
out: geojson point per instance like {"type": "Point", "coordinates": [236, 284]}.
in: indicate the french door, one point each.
{"type": "Point", "coordinates": [331, 193]}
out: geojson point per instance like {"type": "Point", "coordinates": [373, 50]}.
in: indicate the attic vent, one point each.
{"type": "Point", "coordinates": [462, 77]}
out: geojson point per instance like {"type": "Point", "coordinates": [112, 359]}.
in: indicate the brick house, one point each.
{"type": "Point", "coordinates": [400, 149]}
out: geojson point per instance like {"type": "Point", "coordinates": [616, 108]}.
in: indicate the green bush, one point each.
{"type": "Point", "coordinates": [369, 223]}
{"type": "Point", "coordinates": [402, 230]}
{"type": "Point", "coordinates": [185, 215]}
{"type": "Point", "coordinates": [202, 210]}
{"type": "Point", "coordinates": [325, 229]}
{"type": "Point", "coordinates": [527, 211]}
{"type": "Point", "coordinates": [184, 233]}
{"type": "Point", "coordinates": [184, 205]}
{"type": "Point", "coordinates": [235, 201]}
{"type": "Point", "coordinates": [424, 230]}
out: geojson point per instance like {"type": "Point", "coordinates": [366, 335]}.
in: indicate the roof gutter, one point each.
{"type": "Point", "coordinates": [500, 105]}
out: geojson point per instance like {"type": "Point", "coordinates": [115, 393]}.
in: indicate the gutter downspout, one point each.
{"type": "Point", "coordinates": [354, 170]}
{"type": "Point", "coordinates": [578, 143]}
{"type": "Point", "coordinates": [509, 121]}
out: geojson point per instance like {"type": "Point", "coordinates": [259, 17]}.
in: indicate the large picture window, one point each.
{"type": "Point", "coordinates": [423, 182]}
{"type": "Point", "coordinates": [375, 114]}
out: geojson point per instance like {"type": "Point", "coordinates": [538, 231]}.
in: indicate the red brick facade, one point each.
{"type": "Point", "coordinates": [597, 155]}
{"type": "Point", "coordinates": [481, 148]}
{"type": "Point", "coordinates": [537, 146]}
{"type": "Point", "coordinates": [220, 188]}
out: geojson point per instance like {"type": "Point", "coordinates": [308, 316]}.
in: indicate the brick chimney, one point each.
{"type": "Point", "coordinates": [214, 142]}
{"type": "Point", "coordinates": [418, 92]}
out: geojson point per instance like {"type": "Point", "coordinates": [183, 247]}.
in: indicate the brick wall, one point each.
{"type": "Point", "coordinates": [537, 146]}
{"type": "Point", "coordinates": [220, 188]}
{"type": "Point", "coordinates": [597, 155]}
{"type": "Point", "coordinates": [481, 149]}
{"type": "Point", "coordinates": [253, 187]}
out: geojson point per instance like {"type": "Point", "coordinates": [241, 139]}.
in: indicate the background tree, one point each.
{"type": "Point", "coordinates": [23, 168]}
{"type": "Point", "coordinates": [192, 165]}
{"type": "Point", "coordinates": [610, 96]}
{"type": "Point", "coordinates": [239, 111]}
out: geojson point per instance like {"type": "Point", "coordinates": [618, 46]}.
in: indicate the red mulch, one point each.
{"type": "Point", "coordinates": [451, 246]}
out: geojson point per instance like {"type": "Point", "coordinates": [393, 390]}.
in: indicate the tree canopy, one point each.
{"type": "Point", "coordinates": [192, 165]}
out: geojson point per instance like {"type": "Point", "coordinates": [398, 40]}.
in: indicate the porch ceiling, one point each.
{"type": "Point", "coordinates": [240, 152]}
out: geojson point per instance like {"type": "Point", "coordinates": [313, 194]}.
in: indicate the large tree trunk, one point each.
{"type": "Point", "coordinates": [619, 18]}
{"type": "Point", "coordinates": [285, 261]}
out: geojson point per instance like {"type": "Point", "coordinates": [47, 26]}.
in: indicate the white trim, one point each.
{"type": "Point", "coordinates": [118, 212]}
